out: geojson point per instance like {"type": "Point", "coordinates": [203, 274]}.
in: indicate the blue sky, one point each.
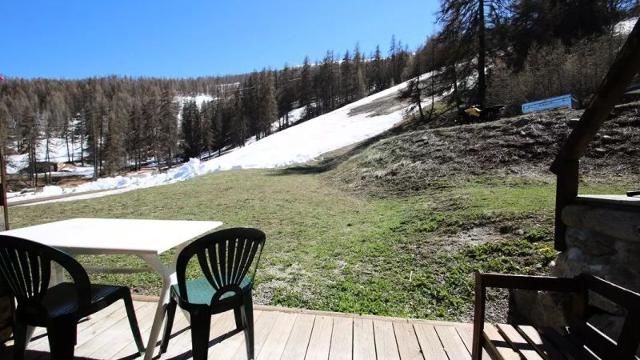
{"type": "Point", "coordinates": [81, 38]}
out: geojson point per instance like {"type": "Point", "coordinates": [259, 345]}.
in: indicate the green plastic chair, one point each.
{"type": "Point", "coordinates": [226, 258]}
{"type": "Point", "coordinates": [26, 267]}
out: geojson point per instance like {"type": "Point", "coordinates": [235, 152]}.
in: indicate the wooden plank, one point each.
{"type": "Point", "coordinates": [497, 346]}
{"type": "Point", "coordinates": [115, 337]}
{"type": "Point", "coordinates": [180, 340]}
{"type": "Point", "coordinates": [223, 328]}
{"type": "Point", "coordinates": [519, 343]}
{"type": "Point", "coordinates": [131, 350]}
{"type": "Point", "coordinates": [386, 345]}
{"type": "Point", "coordinates": [465, 331]}
{"type": "Point", "coordinates": [298, 340]}
{"type": "Point", "coordinates": [320, 341]}
{"type": "Point", "coordinates": [277, 339]}
{"type": "Point", "coordinates": [543, 346]}
{"type": "Point", "coordinates": [261, 332]}
{"type": "Point", "coordinates": [235, 344]}
{"type": "Point", "coordinates": [364, 345]}
{"type": "Point", "coordinates": [408, 345]}
{"type": "Point", "coordinates": [342, 339]}
{"type": "Point", "coordinates": [452, 343]}
{"type": "Point", "coordinates": [87, 328]}
{"type": "Point", "coordinates": [430, 342]}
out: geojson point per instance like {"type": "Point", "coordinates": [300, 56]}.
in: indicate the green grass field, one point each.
{"type": "Point", "coordinates": [330, 249]}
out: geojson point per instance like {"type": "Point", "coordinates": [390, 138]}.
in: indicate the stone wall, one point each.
{"type": "Point", "coordinates": [603, 239]}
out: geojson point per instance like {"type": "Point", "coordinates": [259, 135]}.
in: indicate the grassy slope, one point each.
{"type": "Point", "coordinates": [335, 250]}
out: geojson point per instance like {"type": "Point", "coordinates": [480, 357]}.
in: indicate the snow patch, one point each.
{"type": "Point", "coordinates": [294, 145]}
{"type": "Point", "coordinates": [625, 27]}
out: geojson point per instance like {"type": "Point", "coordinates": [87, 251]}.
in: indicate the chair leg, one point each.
{"type": "Point", "coordinates": [237, 313]}
{"type": "Point", "coordinates": [62, 339]}
{"type": "Point", "coordinates": [247, 319]}
{"type": "Point", "coordinates": [19, 340]}
{"type": "Point", "coordinates": [200, 325]}
{"type": "Point", "coordinates": [133, 321]}
{"type": "Point", "coordinates": [171, 314]}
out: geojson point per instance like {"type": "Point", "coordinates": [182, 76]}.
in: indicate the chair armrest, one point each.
{"type": "Point", "coordinates": [506, 281]}
{"type": "Point", "coordinates": [528, 282]}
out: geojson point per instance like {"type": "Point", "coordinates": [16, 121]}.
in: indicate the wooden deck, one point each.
{"type": "Point", "coordinates": [280, 333]}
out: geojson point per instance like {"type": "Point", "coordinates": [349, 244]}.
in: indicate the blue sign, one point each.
{"type": "Point", "coordinates": [565, 101]}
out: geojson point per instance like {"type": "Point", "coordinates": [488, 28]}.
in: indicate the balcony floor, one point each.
{"type": "Point", "coordinates": [280, 333]}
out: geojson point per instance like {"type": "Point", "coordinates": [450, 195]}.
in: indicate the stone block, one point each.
{"type": "Point", "coordinates": [616, 223]}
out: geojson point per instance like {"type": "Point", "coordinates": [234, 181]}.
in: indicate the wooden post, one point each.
{"type": "Point", "coordinates": [3, 189]}
{"type": "Point", "coordinates": [613, 86]}
{"type": "Point", "coordinates": [566, 192]}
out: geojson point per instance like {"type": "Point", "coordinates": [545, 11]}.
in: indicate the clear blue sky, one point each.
{"type": "Point", "coordinates": [81, 38]}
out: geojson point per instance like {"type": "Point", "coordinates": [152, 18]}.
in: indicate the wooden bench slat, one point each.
{"type": "Point", "coordinates": [544, 347]}
{"type": "Point", "coordinates": [568, 348]}
{"type": "Point", "coordinates": [519, 343]}
{"type": "Point", "coordinates": [596, 341]}
{"type": "Point", "coordinates": [496, 345]}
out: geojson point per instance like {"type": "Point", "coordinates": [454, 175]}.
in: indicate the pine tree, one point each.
{"type": "Point", "coordinates": [346, 79]}
{"type": "Point", "coordinates": [237, 121]}
{"type": "Point", "coordinates": [358, 91]}
{"type": "Point", "coordinates": [377, 73]}
{"type": "Point", "coordinates": [268, 107]}
{"type": "Point", "coordinates": [192, 131]}
{"type": "Point", "coordinates": [465, 22]}
{"type": "Point", "coordinates": [286, 95]}
{"type": "Point", "coordinates": [95, 114]}
{"type": "Point", "coordinates": [326, 83]}
{"type": "Point", "coordinates": [168, 126]}
{"type": "Point", "coordinates": [220, 126]}
{"type": "Point", "coordinates": [115, 143]}
{"type": "Point", "coordinates": [305, 88]}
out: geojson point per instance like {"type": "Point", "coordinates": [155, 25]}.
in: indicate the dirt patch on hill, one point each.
{"type": "Point", "coordinates": [520, 146]}
{"type": "Point", "coordinates": [384, 105]}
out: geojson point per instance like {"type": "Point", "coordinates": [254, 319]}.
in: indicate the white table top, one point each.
{"type": "Point", "coordinates": [115, 236]}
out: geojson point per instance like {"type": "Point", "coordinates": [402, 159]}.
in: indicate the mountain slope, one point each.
{"type": "Point", "coordinates": [298, 144]}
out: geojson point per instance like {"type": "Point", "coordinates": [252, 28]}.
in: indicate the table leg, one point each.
{"type": "Point", "coordinates": [168, 278]}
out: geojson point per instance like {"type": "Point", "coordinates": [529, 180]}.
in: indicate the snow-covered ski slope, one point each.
{"type": "Point", "coordinates": [295, 145]}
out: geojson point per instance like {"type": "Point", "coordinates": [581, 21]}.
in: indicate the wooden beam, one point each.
{"type": "Point", "coordinates": [566, 164]}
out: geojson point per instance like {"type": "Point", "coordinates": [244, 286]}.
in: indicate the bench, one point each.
{"type": "Point", "coordinates": [578, 340]}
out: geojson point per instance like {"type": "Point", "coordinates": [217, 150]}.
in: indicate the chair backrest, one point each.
{"type": "Point", "coordinates": [225, 258]}
{"type": "Point", "coordinates": [626, 346]}
{"type": "Point", "coordinates": [26, 267]}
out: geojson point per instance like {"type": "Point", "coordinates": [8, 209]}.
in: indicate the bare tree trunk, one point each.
{"type": "Point", "coordinates": [47, 179]}
{"type": "Point", "coordinates": [482, 85]}
{"type": "Point", "coordinates": [81, 147]}
{"type": "Point", "coordinates": [66, 141]}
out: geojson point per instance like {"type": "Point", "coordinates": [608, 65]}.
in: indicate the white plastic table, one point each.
{"type": "Point", "coordinates": [147, 239]}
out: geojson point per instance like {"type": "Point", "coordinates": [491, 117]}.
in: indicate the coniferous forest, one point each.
{"type": "Point", "coordinates": [483, 48]}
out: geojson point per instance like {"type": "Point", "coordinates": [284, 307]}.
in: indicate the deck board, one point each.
{"type": "Point", "coordinates": [320, 342]}
{"type": "Point", "coordinates": [280, 333]}
{"type": "Point", "coordinates": [298, 340]}
{"type": "Point", "coordinates": [386, 345]}
{"type": "Point", "coordinates": [341, 339]}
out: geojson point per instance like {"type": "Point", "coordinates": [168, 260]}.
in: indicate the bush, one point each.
{"type": "Point", "coordinates": [555, 70]}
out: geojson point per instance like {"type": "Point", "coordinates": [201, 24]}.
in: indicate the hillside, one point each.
{"type": "Point", "coordinates": [297, 144]}
{"type": "Point", "coordinates": [413, 159]}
